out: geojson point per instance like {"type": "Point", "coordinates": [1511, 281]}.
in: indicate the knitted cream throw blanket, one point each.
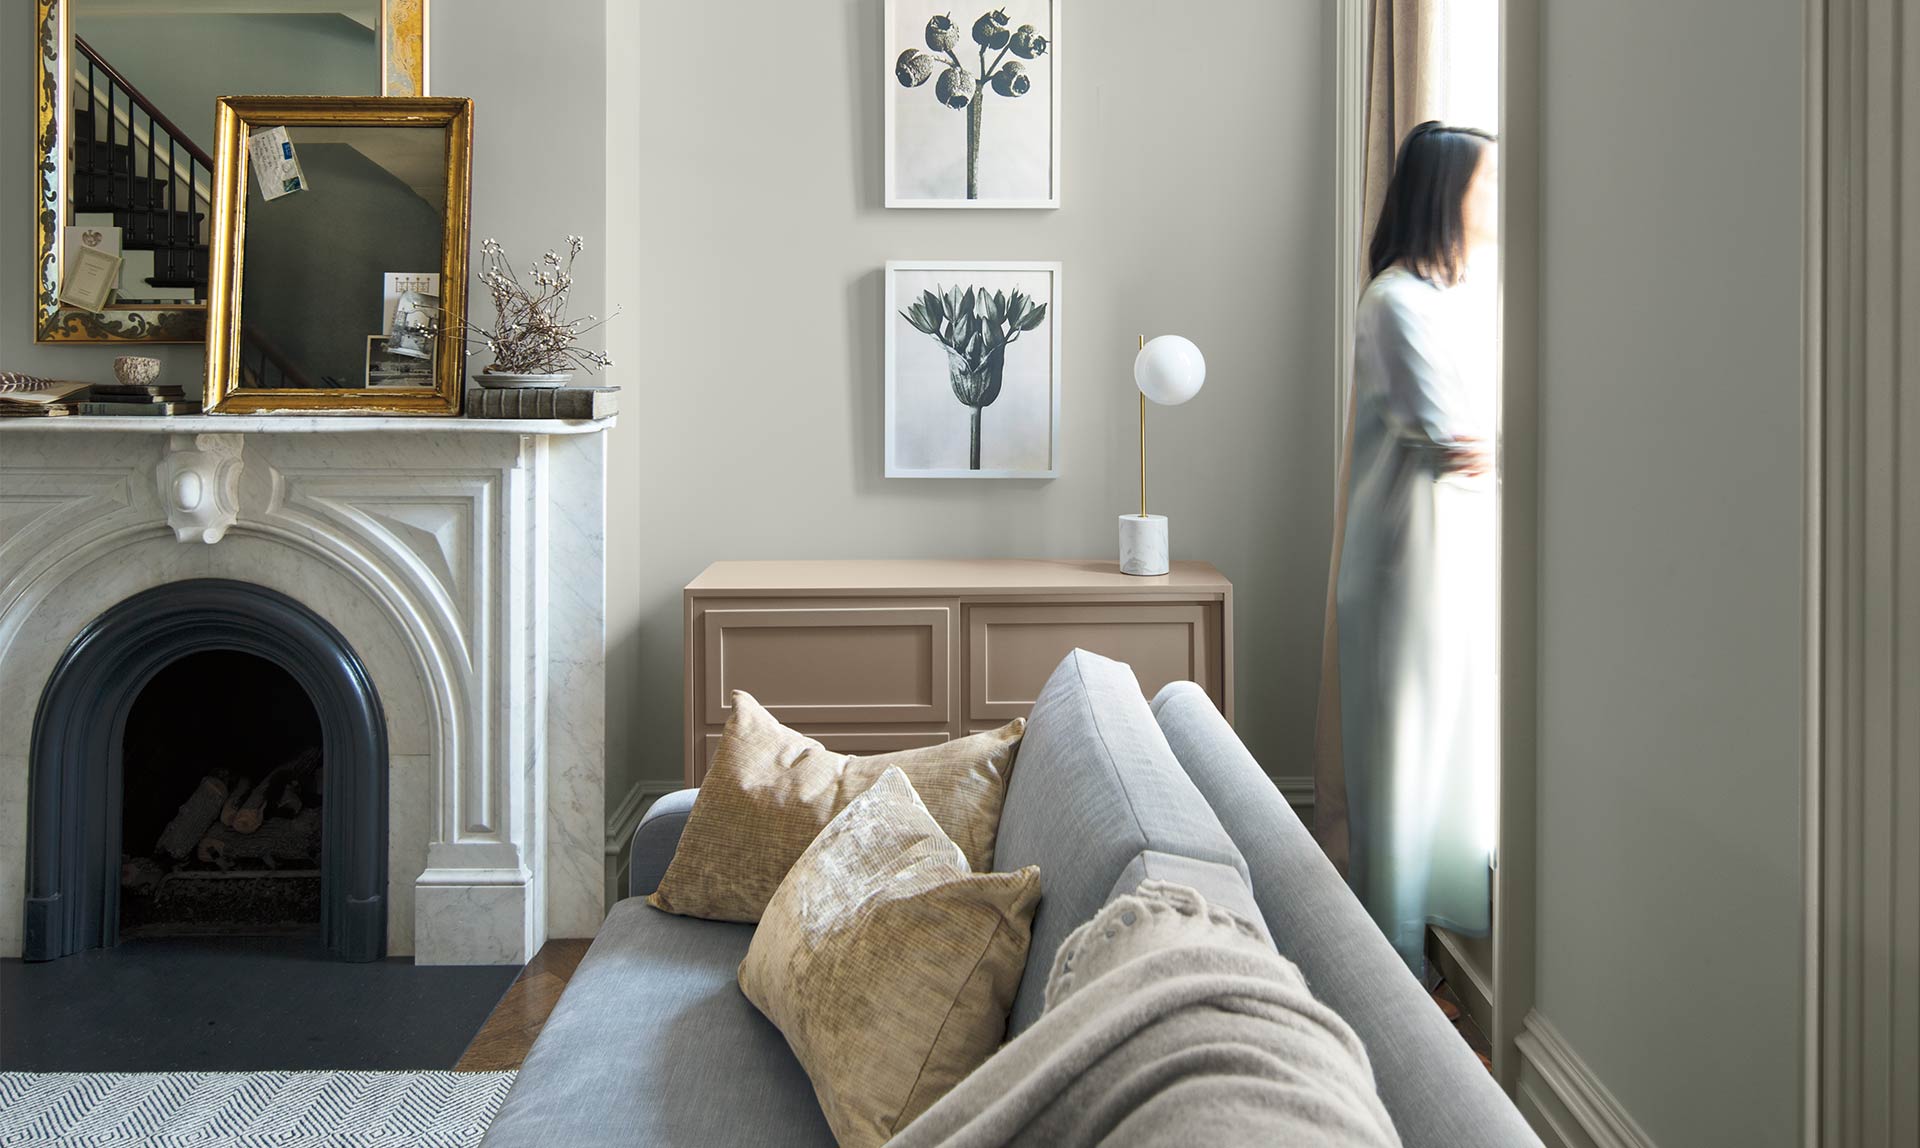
{"type": "Point", "coordinates": [1168, 1022]}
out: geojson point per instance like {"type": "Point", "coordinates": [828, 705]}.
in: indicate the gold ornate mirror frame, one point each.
{"type": "Point", "coordinates": [403, 72]}
{"type": "Point", "coordinates": [235, 118]}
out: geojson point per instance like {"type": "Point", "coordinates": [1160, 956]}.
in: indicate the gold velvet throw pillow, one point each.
{"type": "Point", "coordinates": [771, 790]}
{"type": "Point", "coordinates": [887, 963]}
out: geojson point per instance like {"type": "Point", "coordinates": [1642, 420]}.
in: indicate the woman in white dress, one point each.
{"type": "Point", "coordinates": [1415, 592]}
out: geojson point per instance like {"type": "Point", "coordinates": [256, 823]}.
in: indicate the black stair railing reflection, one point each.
{"type": "Point", "coordinates": [161, 211]}
{"type": "Point", "coordinates": [262, 364]}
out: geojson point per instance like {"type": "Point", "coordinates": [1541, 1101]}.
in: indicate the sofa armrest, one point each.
{"type": "Point", "coordinates": [655, 839]}
{"type": "Point", "coordinates": [1433, 1086]}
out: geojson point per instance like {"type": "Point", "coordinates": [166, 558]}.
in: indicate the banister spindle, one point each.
{"type": "Point", "coordinates": [146, 194]}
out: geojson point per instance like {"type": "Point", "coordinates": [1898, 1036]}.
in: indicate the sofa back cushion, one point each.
{"type": "Point", "coordinates": [1099, 803]}
{"type": "Point", "coordinates": [1435, 1089]}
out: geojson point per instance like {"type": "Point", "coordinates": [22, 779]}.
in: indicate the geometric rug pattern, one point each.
{"type": "Point", "coordinates": [249, 1109]}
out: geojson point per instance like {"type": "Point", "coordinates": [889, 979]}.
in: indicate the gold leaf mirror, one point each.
{"type": "Point", "coordinates": [339, 255]}
{"type": "Point", "coordinates": [124, 114]}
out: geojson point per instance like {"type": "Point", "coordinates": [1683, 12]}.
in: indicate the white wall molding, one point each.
{"type": "Point", "coordinates": [621, 823]}
{"type": "Point", "coordinates": [1349, 197]}
{"type": "Point", "coordinates": [1862, 777]}
{"type": "Point", "coordinates": [626, 816]}
{"type": "Point", "coordinates": [1515, 901]}
{"type": "Point", "coordinates": [1566, 1103]}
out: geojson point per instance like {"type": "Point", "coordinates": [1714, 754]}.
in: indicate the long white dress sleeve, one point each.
{"type": "Point", "coordinates": [1416, 617]}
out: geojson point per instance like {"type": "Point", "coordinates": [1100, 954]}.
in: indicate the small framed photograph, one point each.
{"type": "Point", "coordinates": [394, 284]}
{"type": "Point", "coordinates": [90, 279]}
{"type": "Point", "coordinates": [387, 367]}
{"type": "Point", "coordinates": [973, 369]}
{"type": "Point", "coordinates": [972, 103]}
{"type": "Point", "coordinates": [414, 316]}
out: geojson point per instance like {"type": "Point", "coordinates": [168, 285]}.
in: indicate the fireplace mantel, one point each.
{"type": "Point", "coordinates": [297, 424]}
{"type": "Point", "coordinates": [463, 560]}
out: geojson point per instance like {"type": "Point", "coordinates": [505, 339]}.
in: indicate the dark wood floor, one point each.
{"type": "Point", "coordinates": [503, 1041]}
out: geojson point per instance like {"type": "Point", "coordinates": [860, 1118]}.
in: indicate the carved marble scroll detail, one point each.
{"type": "Point", "coordinates": [200, 485]}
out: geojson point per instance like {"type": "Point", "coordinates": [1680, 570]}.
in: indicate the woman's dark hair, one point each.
{"type": "Point", "coordinates": [1420, 222]}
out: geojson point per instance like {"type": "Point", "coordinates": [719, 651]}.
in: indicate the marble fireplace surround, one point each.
{"type": "Point", "coordinates": [462, 559]}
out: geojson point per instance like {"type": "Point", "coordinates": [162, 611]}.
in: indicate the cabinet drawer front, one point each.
{"type": "Point", "coordinates": [830, 663]}
{"type": "Point", "coordinates": [864, 743]}
{"type": "Point", "coordinates": [1011, 650]}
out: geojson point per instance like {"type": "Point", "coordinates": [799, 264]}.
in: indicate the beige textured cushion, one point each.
{"type": "Point", "coordinates": [887, 963]}
{"type": "Point", "coordinates": [770, 791]}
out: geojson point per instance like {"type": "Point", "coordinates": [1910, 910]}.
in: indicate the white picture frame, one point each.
{"type": "Point", "coordinates": [90, 278]}
{"type": "Point", "coordinates": [926, 169]}
{"type": "Point", "coordinates": [930, 431]}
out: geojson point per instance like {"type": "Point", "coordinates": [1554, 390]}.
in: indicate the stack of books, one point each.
{"type": "Point", "coordinates": [26, 398]}
{"type": "Point", "coordinates": [128, 399]}
{"type": "Point", "coordinates": [542, 402]}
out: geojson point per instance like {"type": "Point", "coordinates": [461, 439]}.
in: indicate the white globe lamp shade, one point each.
{"type": "Point", "coordinates": [1169, 370]}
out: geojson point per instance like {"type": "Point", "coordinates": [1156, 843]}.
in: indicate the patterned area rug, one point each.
{"type": "Point", "coordinates": [243, 1109]}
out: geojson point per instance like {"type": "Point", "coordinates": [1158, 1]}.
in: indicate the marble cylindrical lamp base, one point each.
{"type": "Point", "coordinates": [1143, 544]}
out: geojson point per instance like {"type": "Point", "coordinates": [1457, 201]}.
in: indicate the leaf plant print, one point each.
{"type": "Point", "coordinates": [975, 327]}
{"type": "Point", "coordinates": [961, 88]}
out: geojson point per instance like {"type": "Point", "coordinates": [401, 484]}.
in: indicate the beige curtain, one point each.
{"type": "Point", "coordinates": [1405, 87]}
{"type": "Point", "coordinates": [1406, 83]}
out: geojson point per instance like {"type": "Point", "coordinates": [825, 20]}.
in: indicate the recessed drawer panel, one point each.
{"type": "Point", "coordinates": [865, 743]}
{"type": "Point", "coordinates": [847, 663]}
{"type": "Point", "coordinates": [1011, 650]}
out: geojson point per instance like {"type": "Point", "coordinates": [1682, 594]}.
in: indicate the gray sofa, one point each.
{"type": "Point", "coordinates": [654, 1044]}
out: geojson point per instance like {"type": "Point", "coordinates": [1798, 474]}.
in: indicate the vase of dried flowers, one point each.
{"type": "Point", "coordinates": [533, 341]}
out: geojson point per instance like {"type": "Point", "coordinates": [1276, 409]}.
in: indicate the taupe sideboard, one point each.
{"type": "Point", "coordinates": [873, 656]}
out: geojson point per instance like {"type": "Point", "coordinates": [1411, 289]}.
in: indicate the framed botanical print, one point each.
{"type": "Point", "coordinates": [973, 370]}
{"type": "Point", "coordinates": [972, 104]}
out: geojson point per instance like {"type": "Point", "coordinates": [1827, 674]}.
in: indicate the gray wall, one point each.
{"type": "Point", "coordinates": [1198, 201]}
{"type": "Point", "coordinates": [1669, 928]}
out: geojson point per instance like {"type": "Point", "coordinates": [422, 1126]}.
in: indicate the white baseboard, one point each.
{"type": "Point", "coordinates": [1562, 1098]}
{"type": "Point", "coordinates": [1462, 968]}
{"type": "Point", "coordinates": [621, 823]}
{"type": "Point", "coordinates": [1299, 793]}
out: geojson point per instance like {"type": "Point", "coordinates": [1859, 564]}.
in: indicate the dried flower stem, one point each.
{"type": "Point", "coordinates": [531, 333]}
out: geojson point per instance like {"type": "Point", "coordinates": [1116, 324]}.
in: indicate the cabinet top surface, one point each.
{"type": "Point", "coordinates": [927, 576]}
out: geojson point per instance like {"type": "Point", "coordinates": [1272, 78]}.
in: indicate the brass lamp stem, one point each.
{"type": "Point", "coordinates": [1143, 442]}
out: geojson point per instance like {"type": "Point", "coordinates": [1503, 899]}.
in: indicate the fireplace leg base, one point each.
{"type": "Point", "coordinates": [471, 924]}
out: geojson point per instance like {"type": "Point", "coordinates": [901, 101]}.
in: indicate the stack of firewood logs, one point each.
{"type": "Point", "coordinates": [227, 820]}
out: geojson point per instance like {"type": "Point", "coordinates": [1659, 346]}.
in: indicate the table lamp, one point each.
{"type": "Point", "coordinates": [1169, 370]}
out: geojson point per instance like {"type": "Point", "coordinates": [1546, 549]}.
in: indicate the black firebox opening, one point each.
{"type": "Point", "coordinates": [221, 820]}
